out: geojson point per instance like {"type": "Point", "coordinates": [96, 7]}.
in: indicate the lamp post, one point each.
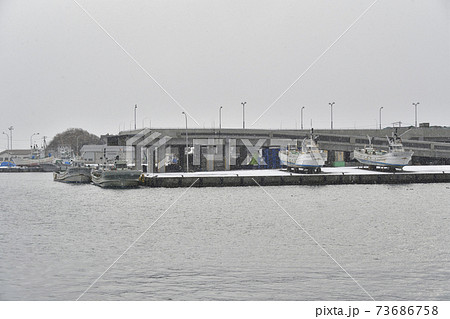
{"type": "Point", "coordinates": [243, 114]}
{"type": "Point", "coordinates": [11, 128]}
{"type": "Point", "coordinates": [331, 106]}
{"type": "Point", "coordinates": [186, 151]}
{"type": "Point", "coordinates": [415, 106]}
{"type": "Point", "coordinates": [7, 139]}
{"type": "Point", "coordinates": [31, 144]}
{"type": "Point", "coordinates": [31, 139]}
{"type": "Point", "coordinates": [135, 108]}
{"type": "Point", "coordinates": [301, 116]}
{"type": "Point", "coordinates": [380, 116]}
{"type": "Point", "coordinates": [220, 118]}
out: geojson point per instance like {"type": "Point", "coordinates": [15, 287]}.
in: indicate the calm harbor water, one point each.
{"type": "Point", "coordinates": [223, 243]}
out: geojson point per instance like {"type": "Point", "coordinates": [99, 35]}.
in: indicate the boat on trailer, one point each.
{"type": "Point", "coordinates": [395, 157]}
{"type": "Point", "coordinates": [307, 158]}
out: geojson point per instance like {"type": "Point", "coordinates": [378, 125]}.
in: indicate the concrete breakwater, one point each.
{"type": "Point", "coordinates": [280, 178]}
{"type": "Point", "coordinates": [21, 169]}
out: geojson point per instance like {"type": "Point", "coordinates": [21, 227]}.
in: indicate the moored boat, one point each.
{"type": "Point", "coordinates": [76, 173]}
{"type": "Point", "coordinates": [117, 176]}
{"type": "Point", "coordinates": [395, 157]}
{"type": "Point", "coordinates": [33, 161]}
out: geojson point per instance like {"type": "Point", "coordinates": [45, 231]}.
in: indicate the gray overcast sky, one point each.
{"type": "Point", "coordinates": [58, 69]}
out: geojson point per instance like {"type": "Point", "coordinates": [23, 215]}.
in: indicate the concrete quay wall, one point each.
{"type": "Point", "coordinates": [294, 179]}
{"type": "Point", "coordinates": [21, 169]}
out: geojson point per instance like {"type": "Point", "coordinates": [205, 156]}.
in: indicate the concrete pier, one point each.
{"type": "Point", "coordinates": [235, 149]}
{"type": "Point", "coordinates": [20, 169]}
{"type": "Point", "coordinates": [329, 176]}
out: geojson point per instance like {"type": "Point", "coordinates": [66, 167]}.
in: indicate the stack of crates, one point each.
{"type": "Point", "coordinates": [338, 159]}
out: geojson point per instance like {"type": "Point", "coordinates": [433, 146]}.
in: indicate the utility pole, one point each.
{"type": "Point", "coordinates": [301, 116]}
{"type": "Point", "coordinates": [380, 116]}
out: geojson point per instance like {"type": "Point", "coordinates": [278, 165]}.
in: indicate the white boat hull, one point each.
{"type": "Point", "coordinates": [301, 160]}
{"type": "Point", "coordinates": [392, 159]}
{"type": "Point", "coordinates": [32, 162]}
{"type": "Point", "coordinates": [283, 158]}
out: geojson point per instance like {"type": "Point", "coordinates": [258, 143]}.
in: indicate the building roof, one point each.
{"type": "Point", "coordinates": [16, 152]}
{"type": "Point", "coordinates": [99, 148]}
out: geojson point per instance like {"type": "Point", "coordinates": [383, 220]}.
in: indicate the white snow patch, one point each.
{"type": "Point", "coordinates": [426, 169]}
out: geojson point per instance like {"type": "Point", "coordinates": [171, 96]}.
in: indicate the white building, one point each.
{"type": "Point", "coordinates": [11, 155]}
{"type": "Point", "coordinates": [100, 154]}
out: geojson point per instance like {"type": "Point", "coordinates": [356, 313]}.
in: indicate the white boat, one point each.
{"type": "Point", "coordinates": [116, 176]}
{"type": "Point", "coordinates": [76, 173]}
{"type": "Point", "coordinates": [309, 158]}
{"type": "Point", "coordinates": [395, 157]}
{"type": "Point", "coordinates": [33, 161]}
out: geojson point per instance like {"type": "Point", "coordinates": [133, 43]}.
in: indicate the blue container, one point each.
{"type": "Point", "coordinates": [271, 159]}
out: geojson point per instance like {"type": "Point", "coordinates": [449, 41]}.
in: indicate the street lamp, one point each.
{"type": "Point", "coordinates": [220, 118]}
{"type": "Point", "coordinates": [380, 116]}
{"type": "Point", "coordinates": [11, 128]}
{"type": "Point", "coordinates": [186, 151]}
{"type": "Point", "coordinates": [7, 138]}
{"type": "Point", "coordinates": [31, 139]}
{"type": "Point", "coordinates": [135, 107]}
{"type": "Point", "coordinates": [301, 116]}
{"type": "Point", "coordinates": [415, 106]}
{"type": "Point", "coordinates": [243, 114]}
{"type": "Point", "coordinates": [331, 106]}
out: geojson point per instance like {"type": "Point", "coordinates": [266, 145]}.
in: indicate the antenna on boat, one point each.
{"type": "Point", "coordinates": [313, 137]}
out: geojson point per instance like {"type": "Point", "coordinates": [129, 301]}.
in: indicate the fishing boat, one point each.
{"type": "Point", "coordinates": [308, 158]}
{"type": "Point", "coordinates": [394, 157]}
{"type": "Point", "coordinates": [116, 176]}
{"type": "Point", "coordinates": [75, 173]}
{"type": "Point", "coordinates": [33, 161]}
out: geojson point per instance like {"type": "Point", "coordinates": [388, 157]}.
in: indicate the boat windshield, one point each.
{"type": "Point", "coordinates": [307, 148]}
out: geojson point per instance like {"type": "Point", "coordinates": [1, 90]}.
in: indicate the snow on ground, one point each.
{"type": "Point", "coordinates": [426, 169]}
